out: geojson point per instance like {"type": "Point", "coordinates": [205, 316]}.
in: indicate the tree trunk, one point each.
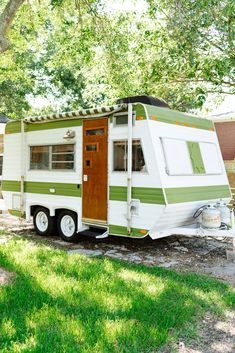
{"type": "Point", "coordinates": [6, 19]}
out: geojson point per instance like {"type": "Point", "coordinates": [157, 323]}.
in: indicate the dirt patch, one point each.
{"type": "Point", "coordinates": [215, 335]}
{"type": "Point", "coordinates": [5, 277]}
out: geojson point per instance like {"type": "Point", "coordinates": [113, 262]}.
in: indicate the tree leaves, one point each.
{"type": "Point", "coordinates": [82, 55]}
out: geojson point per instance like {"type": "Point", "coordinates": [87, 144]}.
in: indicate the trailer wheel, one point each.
{"type": "Point", "coordinates": [43, 223]}
{"type": "Point", "coordinates": [67, 225]}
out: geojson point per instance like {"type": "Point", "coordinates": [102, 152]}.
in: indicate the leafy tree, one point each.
{"type": "Point", "coordinates": [81, 55]}
{"type": "Point", "coordinates": [199, 38]}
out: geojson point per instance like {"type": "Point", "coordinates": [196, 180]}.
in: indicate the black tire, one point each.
{"type": "Point", "coordinates": [71, 236]}
{"type": "Point", "coordinates": [50, 227]}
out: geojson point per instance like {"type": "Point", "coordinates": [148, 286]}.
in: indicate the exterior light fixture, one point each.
{"type": "Point", "coordinates": [70, 134]}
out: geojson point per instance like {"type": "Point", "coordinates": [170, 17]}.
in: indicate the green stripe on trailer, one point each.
{"type": "Point", "coordinates": [53, 125]}
{"type": "Point", "coordinates": [121, 230]}
{"type": "Point", "coordinates": [145, 195]}
{"type": "Point", "coordinates": [62, 189]}
{"type": "Point", "coordinates": [197, 193]}
{"type": "Point", "coordinates": [196, 157]}
{"type": "Point", "coordinates": [11, 185]}
{"type": "Point", "coordinates": [140, 111]}
{"type": "Point", "coordinates": [119, 193]}
{"type": "Point", "coordinates": [15, 126]}
{"type": "Point", "coordinates": [17, 213]}
{"type": "Point", "coordinates": [169, 116]}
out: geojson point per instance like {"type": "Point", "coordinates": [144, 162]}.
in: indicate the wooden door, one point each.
{"type": "Point", "coordinates": [95, 169]}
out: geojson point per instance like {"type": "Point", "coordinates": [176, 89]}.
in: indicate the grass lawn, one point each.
{"type": "Point", "coordinates": [71, 304]}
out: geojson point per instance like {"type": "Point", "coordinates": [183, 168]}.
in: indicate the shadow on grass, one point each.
{"type": "Point", "coordinates": [69, 303]}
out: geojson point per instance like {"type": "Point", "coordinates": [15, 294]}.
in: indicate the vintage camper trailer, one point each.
{"type": "Point", "coordinates": [132, 169]}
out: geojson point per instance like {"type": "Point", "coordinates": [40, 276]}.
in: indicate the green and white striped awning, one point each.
{"type": "Point", "coordinates": [95, 112]}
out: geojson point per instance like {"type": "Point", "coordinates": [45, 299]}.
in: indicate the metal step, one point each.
{"type": "Point", "coordinates": [93, 232]}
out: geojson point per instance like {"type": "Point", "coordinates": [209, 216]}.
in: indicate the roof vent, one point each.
{"type": "Point", "coordinates": [145, 100]}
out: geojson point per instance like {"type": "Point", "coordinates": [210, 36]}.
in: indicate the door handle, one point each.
{"type": "Point", "coordinates": [85, 177]}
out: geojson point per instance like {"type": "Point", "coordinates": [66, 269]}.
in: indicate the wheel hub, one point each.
{"type": "Point", "coordinates": [42, 221]}
{"type": "Point", "coordinates": [67, 226]}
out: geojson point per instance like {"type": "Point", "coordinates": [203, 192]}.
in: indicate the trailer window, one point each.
{"type": "Point", "coordinates": [177, 157]}
{"type": "Point", "coordinates": [210, 158]}
{"type": "Point", "coordinates": [39, 157]}
{"type": "Point", "coordinates": [62, 157]}
{"type": "Point", "coordinates": [95, 132]}
{"type": "Point", "coordinates": [120, 120]}
{"type": "Point", "coordinates": [190, 157]}
{"type": "Point", "coordinates": [52, 157]}
{"type": "Point", "coordinates": [120, 150]}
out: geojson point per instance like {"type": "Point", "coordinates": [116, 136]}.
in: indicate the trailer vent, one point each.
{"type": "Point", "coordinates": [145, 100]}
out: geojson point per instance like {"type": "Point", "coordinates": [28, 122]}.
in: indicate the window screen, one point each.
{"type": "Point", "coordinates": [120, 151]}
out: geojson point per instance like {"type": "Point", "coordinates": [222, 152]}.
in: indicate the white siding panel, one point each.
{"type": "Point", "coordinates": [12, 157]}
{"type": "Point", "coordinates": [148, 214]}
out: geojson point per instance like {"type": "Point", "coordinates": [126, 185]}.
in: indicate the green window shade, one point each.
{"type": "Point", "coordinates": [196, 157]}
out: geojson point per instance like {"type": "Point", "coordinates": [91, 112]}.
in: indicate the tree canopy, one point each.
{"type": "Point", "coordinates": [79, 54]}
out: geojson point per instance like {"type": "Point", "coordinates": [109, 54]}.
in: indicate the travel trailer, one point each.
{"type": "Point", "coordinates": [133, 169]}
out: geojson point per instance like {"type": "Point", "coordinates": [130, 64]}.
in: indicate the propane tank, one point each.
{"type": "Point", "coordinates": [211, 217]}
{"type": "Point", "coordinates": [224, 211]}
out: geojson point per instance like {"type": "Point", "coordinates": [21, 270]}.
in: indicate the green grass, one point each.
{"type": "Point", "coordinates": [61, 303]}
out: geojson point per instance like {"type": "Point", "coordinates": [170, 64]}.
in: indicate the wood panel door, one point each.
{"type": "Point", "coordinates": [95, 169]}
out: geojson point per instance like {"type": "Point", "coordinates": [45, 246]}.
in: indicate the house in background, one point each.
{"type": "Point", "coordinates": [225, 128]}
{"type": "Point", "coordinates": [3, 121]}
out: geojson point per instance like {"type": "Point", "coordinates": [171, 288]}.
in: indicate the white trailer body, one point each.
{"type": "Point", "coordinates": [76, 165]}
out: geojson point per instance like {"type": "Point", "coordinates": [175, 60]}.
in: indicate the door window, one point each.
{"type": "Point", "coordinates": [95, 132]}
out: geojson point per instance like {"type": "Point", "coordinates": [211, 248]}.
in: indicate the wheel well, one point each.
{"type": "Point", "coordinates": [57, 211]}
{"type": "Point", "coordinates": [33, 209]}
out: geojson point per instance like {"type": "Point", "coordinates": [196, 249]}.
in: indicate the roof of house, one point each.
{"type": "Point", "coordinates": [223, 117]}
{"type": "Point", "coordinates": [3, 118]}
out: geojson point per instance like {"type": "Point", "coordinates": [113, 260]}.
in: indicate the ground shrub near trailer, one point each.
{"type": "Point", "coordinates": [71, 303]}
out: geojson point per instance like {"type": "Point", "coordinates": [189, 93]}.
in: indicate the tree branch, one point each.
{"type": "Point", "coordinates": [6, 19]}
{"type": "Point", "coordinates": [221, 92]}
{"type": "Point", "coordinates": [208, 39]}
{"type": "Point", "coordinates": [185, 80]}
